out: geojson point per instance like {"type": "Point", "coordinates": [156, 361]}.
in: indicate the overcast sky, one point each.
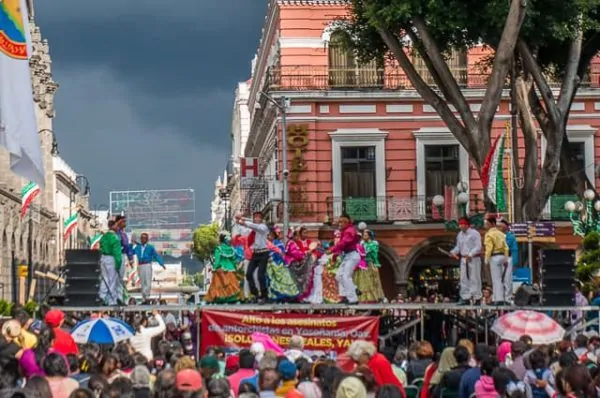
{"type": "Point", "coordinates": [146, 88]}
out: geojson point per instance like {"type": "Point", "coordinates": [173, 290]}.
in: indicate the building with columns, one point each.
{"type": "Point", "coordinates": [362, 141]}
{"type": "Point", "coordinates": [45, 216]}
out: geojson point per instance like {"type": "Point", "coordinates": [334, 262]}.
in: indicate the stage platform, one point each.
{"type": "Point", "coordinates": [322, 307]}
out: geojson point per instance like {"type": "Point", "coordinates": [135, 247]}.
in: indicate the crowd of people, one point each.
{"type": "Point", "coordinates": [260, 267]}
{"type": "Point", "coordinates": [41, 359]}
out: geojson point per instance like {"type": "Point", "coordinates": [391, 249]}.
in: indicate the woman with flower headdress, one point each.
{"type": "Point", "coordinates": [299, 263]}
{"type": "Point", "coordinates": [366, 276]}
{"type": "Point", "coordinates": [331, 293]}
{"type": "Point", "coordinates": [282, 286]}
{"type": "Point", "coordinates": [224, 285]}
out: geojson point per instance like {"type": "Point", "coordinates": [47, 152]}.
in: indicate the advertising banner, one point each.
{"type": "Point", "coordinates": [321, 333]}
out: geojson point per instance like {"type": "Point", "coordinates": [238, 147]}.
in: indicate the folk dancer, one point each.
{"type": "Point", "coordinates": [298, 260]}
{"type": "Point", "coordinates": [257, 241]}
{"type": "Point", "coordinates": [513, 258]}
{"type": "Point", "coordinates": [496, 255]}
{"type": "Point", "coordinates": [146, 254]}
{"type": "Point", "coordinates": [366, 277]}
{"type": "Point", "coordinates": [127, 257]}
{"type": "Point", "coordinates": [224, 285]}
{"type": "Point", "coordinates": [347, 247]}
{"type": "Point", "coordinates": [282, 285]}
{"type": "Point", "coordinates": [110, 263]}
{"type": "Point", "coordinates": [468, 251]}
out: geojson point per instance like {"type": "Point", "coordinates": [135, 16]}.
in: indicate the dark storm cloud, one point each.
{"type": "Point", "coordinates": [147, 88]}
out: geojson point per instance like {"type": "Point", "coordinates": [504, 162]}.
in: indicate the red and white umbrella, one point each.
{"type": "Point", "coordinates": [541, 328]}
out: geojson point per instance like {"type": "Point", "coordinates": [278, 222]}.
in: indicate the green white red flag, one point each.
{"type": "Point", "coordinates": [492, 174]}
{"type": "Point", "coordinates": [28, 194]}
{"type": "Point", "coordinates": [69, 225]}
{"type": "Point", "coordinates": [95, 242]}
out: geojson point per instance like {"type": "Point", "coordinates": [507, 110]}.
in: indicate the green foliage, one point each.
{"type": "Point", "coordinates": [199, 279]}
{"type": "Point", "coordinates": [588, 264]}
{"type": "Point", "coordinates": [6, 308]}
{"type": "Point", "coordinates": [206, 239]}
{"type": "Point", "coordinates": [548, 27]}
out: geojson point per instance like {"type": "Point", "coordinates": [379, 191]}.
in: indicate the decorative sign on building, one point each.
{"type": "Point", "coordinates": [297, 137]}
{"type": "Point", "coordinates": [249, 172]}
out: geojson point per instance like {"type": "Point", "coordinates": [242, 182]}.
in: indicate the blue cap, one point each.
{"type": "Point", "coordinates": [287, 370]}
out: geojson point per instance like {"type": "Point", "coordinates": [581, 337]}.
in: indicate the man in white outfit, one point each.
{"type": "Point", "coordinates": [346, 247]}
{"type": "Point", "coordinates": [468, 250]}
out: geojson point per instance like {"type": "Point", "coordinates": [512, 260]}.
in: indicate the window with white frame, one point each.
{"type": "Point", "coordinates": [438, 155]}
{"type": "Point", "coordinates": [358, 152]}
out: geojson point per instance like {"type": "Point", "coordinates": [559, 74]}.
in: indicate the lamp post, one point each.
{"type": "Point", "coordinates": [584, 215]}
{"type": "Point", "coordinates": [282, 103]}
{"type": "Point", "coordinates": [54, 149]}
{"type": "Point", "coordinates": [225, 195]}
{"type": "Point", "coordinates": [462, 199]}
{"type": "Point", "coordinates": [80, 180]}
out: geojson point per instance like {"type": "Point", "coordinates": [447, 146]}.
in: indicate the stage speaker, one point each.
{"type": "Point", "coordinates": [83, 278]}
{"type": "Point", "coordinates": [526, 295]}
{"type": "Point", "coordinates": [558, 277]}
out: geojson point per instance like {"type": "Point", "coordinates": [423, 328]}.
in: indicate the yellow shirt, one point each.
{"type": "Point", "coordinates": [26, 340]}
{"type": "Point", "coordinates": [495, 243]}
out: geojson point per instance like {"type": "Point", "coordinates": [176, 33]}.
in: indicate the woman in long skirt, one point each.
{"type": "Point", "coordinates": [300, 264]}
{"type": "Point", "coordinates": [366, 277]}
{"type": "Point", "coordinates": [224, 286]}
{"type": "Point", "coordinates": [282, 286]}
{"type": "Point", "coordinates": [331, 294]}
{"type": "Point", "coordinates": [320, 260]}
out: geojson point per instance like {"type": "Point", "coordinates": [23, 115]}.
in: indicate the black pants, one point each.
{"type": "Point", "coordinates": [259, 261]}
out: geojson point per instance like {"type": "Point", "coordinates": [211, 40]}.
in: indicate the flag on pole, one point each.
{"type": "Point", "coordinates": [28, 194]}
{"type": "Point", "coordinates": [95, 242]}
{"type": "Point", "coordinates": [492, 174]}
{"type": "Point", "coordinates": [70, 225]}
{"type": "Point", "coordinates": [18, 125]}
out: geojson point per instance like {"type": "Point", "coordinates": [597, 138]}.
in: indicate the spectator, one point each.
{"type": "Point", "coordinates": [352, 387]}
{"type": "Point", "coordinates": [246, 371]}
{"type": "Point", "coordinates": [188, 380]}
{"type": "Point", "coordinates": [209, 368]}
{"type": "Point", "coordinates": [219, 388]}
{"type": "Point", "coordinates": [295, 349]}
{"type": "Point", "coordinates": [484, 387]}
{"type": "Point", "coordinates": [471, 376]}
{"type": "Point", "coordinates": [446, 363]}
{"type": "Point", "coordinates": [306, 381]}
{"type": "Point", "coordinates": [140, 379]}
{"type": "Point", "coordinates": [287, 371]}
{"type": "Point", "coordinates": [142, 340]}
{"type": "Point", "coordinates": [31, 359]}
{"type": "Point", "coordinates": [395, 358]}
{"type": "Point", "coordinates": [232, 365]}
{"type": "Point", "coordinates": [268, 381]}
{"type": "Point", "coordinates": [518, 350]}
{"type": "Point", "coordinates": [424, 357]}
{"type": "Point", "coordinates": [28, 339]}
{"type": "Point", "coordinates": [451, 379]}
{"type": "Point", "coordinates": [56, 369]}
{"type": "Point", "coordinates": [365, 353]}
{"type": "Point", "coordinates": [63, 341]}
{"type": "Point", "coordinates": [508, 385]}
{"type": "Point", "coordinates": [540, 374]}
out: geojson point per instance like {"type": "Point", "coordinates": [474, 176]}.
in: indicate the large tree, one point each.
{"type": "Point", "coordinates": [380, 28]}
{"type": "Point", "coordinates": [206, 239]}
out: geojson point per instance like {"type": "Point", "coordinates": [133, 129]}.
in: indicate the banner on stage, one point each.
{"type": "Point", "coordinates": [330, 333]}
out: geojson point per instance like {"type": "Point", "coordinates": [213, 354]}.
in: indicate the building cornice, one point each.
{"type": "Point", "coordinates": [17, 200]}
{"type": "Point", "coordinates": [67, 180]}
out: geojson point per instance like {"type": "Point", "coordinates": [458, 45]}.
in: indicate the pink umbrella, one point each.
{"type": "Point", "coordinates": [541, 328]}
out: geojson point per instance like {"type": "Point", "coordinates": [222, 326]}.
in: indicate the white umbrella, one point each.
{"type": "Point", "coordinates": [101, 331]}
{"type": "Point", "coordinates": [541, 328]}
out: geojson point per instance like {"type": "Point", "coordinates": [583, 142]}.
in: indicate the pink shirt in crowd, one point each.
{"type": "Point", "coordinates": [236, 379]}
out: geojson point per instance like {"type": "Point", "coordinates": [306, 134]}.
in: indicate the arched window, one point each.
{"type": "Point", "coordinates": [457, 61]}
{"type": "Point", "coordinates": [344, 69]}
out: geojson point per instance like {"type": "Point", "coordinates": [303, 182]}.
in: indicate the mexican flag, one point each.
{"type": "Point", "coordinates": [492, 174]}
{"type": "Point", "coordinates": [95, 242]}
{"type": "Point", "coordinates": [28, 194]}
{"type": "Point", "coordinates": [69, 225]}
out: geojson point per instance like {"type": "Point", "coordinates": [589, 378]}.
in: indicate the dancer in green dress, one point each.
{"type": "Point", "coordinates": [367, 280]}
{"type": "Point", "coordinates": [224, 286]}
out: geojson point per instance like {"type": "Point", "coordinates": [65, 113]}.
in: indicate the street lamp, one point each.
{"type": "Point", "coordinates": [584, 216]}
{"type": "Point", "coordinates": [462, 200]}
{"type": "Point", "coordinates": [54, 148]}
{"type": "Point", "coordinates": [225, 195]}
{"type": "Point", "coordinates": [282, 103]}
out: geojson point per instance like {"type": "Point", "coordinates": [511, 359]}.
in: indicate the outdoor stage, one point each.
{"type": "Point", "coordinates": [324, 307]}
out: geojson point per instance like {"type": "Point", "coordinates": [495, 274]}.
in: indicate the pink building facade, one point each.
{"type": "Point", "coordinates": [362, 141]}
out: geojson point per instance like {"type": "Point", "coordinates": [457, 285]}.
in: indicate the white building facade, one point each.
{"type": "Point", "coordinates": [42, 220]}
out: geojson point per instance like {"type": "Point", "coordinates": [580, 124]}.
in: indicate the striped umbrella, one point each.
{"type": "Point", "coordinates": [541, 328]}
{"type": "Point", "coordinates": [101, 331]}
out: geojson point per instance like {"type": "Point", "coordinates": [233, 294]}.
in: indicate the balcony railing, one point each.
{"type": "Point", "coordinates": [324, 78]}
{"type": "Point", "coordinates": [391, 209]}
{"type": "Point", "coordinates": [555, 207]}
